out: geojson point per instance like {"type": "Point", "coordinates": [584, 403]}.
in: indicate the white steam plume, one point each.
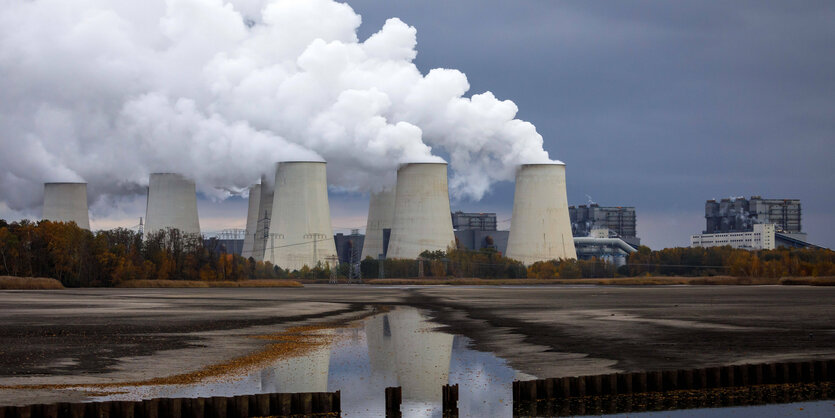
{"type": "Point", "coordinates": [108, 91]}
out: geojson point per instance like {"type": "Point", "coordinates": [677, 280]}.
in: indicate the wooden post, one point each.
{"type": "Point", "coordinates": [449, 399]}
{"type": "Point", "coordinates": [610, 384]}
{"type": "Point", "coordinates": [669, 380]}
{"type": "Point", "coordinates": [262, 404]}
{"type": "Point", "coordinates": [655, 381]}
{"type": "Point", "coordinates": [394, 398]}
{"type": "Point", "coordinates": [565, 387]}
{"type": "Point", "coordinates": [336, 406]}
{"type": "Point", "coordinates": [216, 407]}
{"type": "Point", "coordinates": [625, 383]}
{"type": "Point", "coordinates": [239, 407]}
{"type": "Point", "coordinates": [171, 408]}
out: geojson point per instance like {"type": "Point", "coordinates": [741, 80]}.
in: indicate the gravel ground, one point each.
{"type": "Point", "coordinates": [94, 336]}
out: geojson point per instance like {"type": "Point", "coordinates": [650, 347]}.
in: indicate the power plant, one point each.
{"type": "Point", "coordinates": [66, 202]}
{"type": "Point", "coordinates": [378, 225]}
{"type": "Point", "coordinates": [540, 229]}
{"type": "Point", "coordinates": [300, 233]}
{"type": "Point", "coordinates": [421, 211]}
{"type": "Point", "coordinates": [262, 221]}
{"type": "Point", "coordinates": [251, 221]}
{"type": "Point", "coordinates": [172, 203]}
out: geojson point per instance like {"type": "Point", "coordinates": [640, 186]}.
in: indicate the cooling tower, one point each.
{"type": "Point", "coordinates": [307, 372]}
{"type": "Point", "coordinates": [262, 221]}
{"type": "Point", "coordinates": [422, 218]}
{"type": "Point", "coordinates": [172, 203]}
{"type": "Point", "coordinates": [380, 217]}
{"type": "Point", "coordinates": [422, 354]}
{"type": "Point", "coordinates": [251, 220]}
{"type": "Point", "coordinates": [540, 229]}
{"type": "Point", "coordinates": [302, 234]}
{"type": "Point", "coordinates": [66, 202]}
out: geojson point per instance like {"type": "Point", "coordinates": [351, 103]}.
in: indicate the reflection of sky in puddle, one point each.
{"type": "Point", "coordinates": [397, 348]}
{"type": "Point", "coordinates": [401, 348]}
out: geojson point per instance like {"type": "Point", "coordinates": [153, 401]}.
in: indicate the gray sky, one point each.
{"type": "Point", "coordinates": [654, 104]}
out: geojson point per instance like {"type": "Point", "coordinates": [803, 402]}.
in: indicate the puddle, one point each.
{"type": "Point", "coordinates": [396, 348]}
{"type": "Point", "coordinates": [403, 348]}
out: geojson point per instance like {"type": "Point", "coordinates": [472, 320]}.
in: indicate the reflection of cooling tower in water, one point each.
{"type": "Point", "coordinates": [306, 373]}
{"type": "Point", "coordinates": [66, 202]}
{"type": "Point", "coordinates": [540, 228]}
{"type": "Point", "coordinates": [380, 217]}
{"type": "Point", "coordinates": [172, 203]}
{"type": "Point", "coordinates": [422, 356]}
{"type": "Point", "coordinates": [251, 221]}
{"type": "Point", "coordinates": [301, 221]}
{"type": "Point", "coordinates": [422, 218]}
{"type": "Point", "coordinates": [381, 353]}
{"type": "Point", "coordinates": [264, 216]}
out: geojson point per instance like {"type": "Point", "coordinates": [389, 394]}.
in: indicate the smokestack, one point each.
{"type": "Point", "coordinates": [540, 229]}
{"type": "Point", "coordinates": [251, 221]}
{"type": "Point", "coordinates": [380, 217]}
{"type": "Point", "coordinates": [422, 218]}
{"type": "Point", "coordinates": [172, 203]}
{"type": "Point", "coordinates": [302, 234]}
{"type": "Point", "coordinates": [66, 202]}
{"type": "Point", "coordinates": [262, 220]}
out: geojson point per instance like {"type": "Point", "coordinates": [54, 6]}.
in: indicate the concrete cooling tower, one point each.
{"type": "Point", "coordinates": [421, 211]}
{"type": "Point", "coordinates": [172, 203]}
{"type": "Point", "coordinates": [262, 222]}
{"type": "Point", "coordinates": [422, 355]}
{"type": "Point", "coordinates": [251, 221]}
{"type": "Point", "coordinates": [540, 229]}
{"type": "Point", "coordinates": [66, 202]}
{"type": "Point", "coordinates": [305, 373]}
{"type": "Point", "coordinates": [301, 235]}
{"type": "Point", "coordinates": [380, 217]}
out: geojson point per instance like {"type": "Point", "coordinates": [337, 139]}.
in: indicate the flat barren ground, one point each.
{"type": "Point", "coordinates": [94, 336]}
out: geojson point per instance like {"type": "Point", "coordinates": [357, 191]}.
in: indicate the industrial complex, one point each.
{"type": "Point", "coordinates": [288, 219]}
{"type": "Point", "coordinates": [754, 224]}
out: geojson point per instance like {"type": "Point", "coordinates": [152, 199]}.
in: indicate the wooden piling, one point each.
{"type": "Point", "coordinates": [394, 398]}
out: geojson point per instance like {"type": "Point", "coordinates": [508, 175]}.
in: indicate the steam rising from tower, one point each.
{"type": "Point", "coordinates": [540, 229]}
{"type": "Point", "coordinates": [300, 229]}
{"type": "Point", "coordinates": [172, 203]}
{"type": "Point", "coordinates": [421, 211]}
{"type": "Point", "coordinates": [66, 202]}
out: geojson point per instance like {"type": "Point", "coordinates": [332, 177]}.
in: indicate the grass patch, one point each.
{"type": "Point", "coordinates": [808, 281]}
{"type": "Point", "coordinates": [29, 283]}
{"type": "Point", "coordinates": [624, 281]}
{"type": "Point", "coordinates": [201, 284]}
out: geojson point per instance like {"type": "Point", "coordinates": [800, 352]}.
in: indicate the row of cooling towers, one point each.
{"type": "Point", "coordinates": [289, 224]}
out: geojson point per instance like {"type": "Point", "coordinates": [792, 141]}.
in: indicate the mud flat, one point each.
{"type": "Point", "coordinates": [106, 336]}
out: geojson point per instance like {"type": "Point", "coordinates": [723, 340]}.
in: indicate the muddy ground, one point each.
{"type": "Point", "coordinates": [93, 336]}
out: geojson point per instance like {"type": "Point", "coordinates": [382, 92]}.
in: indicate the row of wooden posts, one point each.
{"type": "Point", "coordinates": [449, 401]}
{"type": "Point", "coordinates": [669, 380]}
{"type": "Point", "coordinates": [524, 392]}
{"type": "Point", "coordinates": [258, 405]}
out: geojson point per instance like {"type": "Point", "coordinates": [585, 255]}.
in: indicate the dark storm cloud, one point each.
{"type": "Point", "coordinates": [655, 104]}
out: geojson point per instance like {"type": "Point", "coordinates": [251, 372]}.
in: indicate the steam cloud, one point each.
{"type": "Point", "coordinates": [109, 91]}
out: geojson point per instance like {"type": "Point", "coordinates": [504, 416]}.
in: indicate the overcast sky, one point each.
{"type": "Point", "coordinates": [654, 104]}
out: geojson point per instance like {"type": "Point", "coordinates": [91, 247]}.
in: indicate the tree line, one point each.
{"type": "Point", "coordinates": [78, 257]}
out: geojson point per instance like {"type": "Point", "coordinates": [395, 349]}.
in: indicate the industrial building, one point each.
{"type": "Point", "coordinates": [301, 234]}
{"type": "Point", "coordinates": [755, 224]}
{"type": "Point", "coordinates": [172, 204]}
{"type": "Point", "coordinates": [475, 231]}
{"type": "Point", "coordinates": [66, 202]}
{"type": "Point", "coordinates": [421, 211]}
{"type": "Point", "coordinates": [599, 244]}
{"type": "Point", "coordinates": [620, 221]}
{"type": "Point", "coordinates": [740, 214]}
{"type": "Point", "coordinates": [540, 229]}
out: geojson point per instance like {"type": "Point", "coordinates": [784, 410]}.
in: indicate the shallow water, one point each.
{"type": "Point", "coordinates": [397, 348]}
{"type": "Point", "coordinates": [402, 348]}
